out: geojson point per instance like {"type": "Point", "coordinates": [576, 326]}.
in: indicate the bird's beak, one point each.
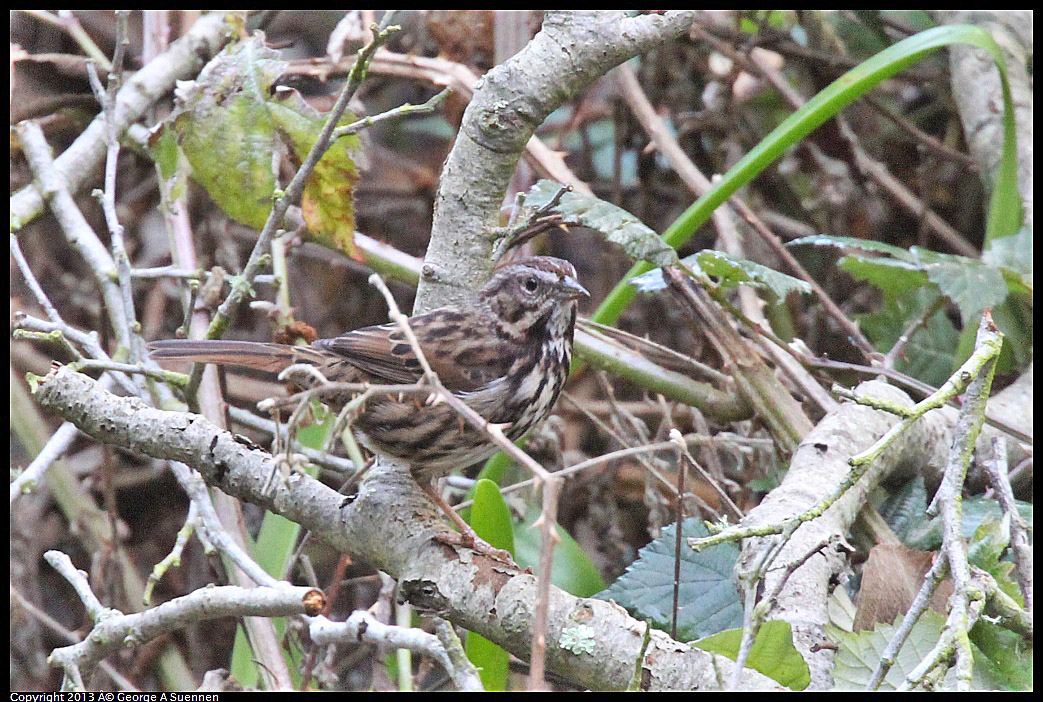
{"type": "Point", "coordinates": [571, 288]}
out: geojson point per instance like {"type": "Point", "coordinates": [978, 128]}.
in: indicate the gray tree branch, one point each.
{"type": "Point", "coordinates": [571, 50]}
{"type": "Point", "coordinates": [390, 524]}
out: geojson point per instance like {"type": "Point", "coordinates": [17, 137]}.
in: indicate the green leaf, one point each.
{"type": "Point", "coordinates": [1003, 657]}
{"type": "Point", "coordinates": [846, 242]}
{"type": "Point", "coordinates": [931, 350]}
{"type": "Point", "coordinates": [1012, 252]}
{"type": "Point", "coordinates": [231, 127]}
{"type": "Point", "coordinates": [859, 653]}
{"type": "Point", "coordinates": [991, 539]}
{"type": "Point", "coordinates": [972, 286]}
{"type": "Point", "coordinates": [225, 130]}
{"type": "Point", "coordinates": [490, 518]}
{"type": "Point", "coordinates": [162, 146]}
{"type": "Point", "coordinates": [708, 599]}
{"type": "Point", "coordinates": [905, 507]}
{"type": "Point", "coordinates": [735, 271]}
{"type": "Point", "coordinates": [772, 654]}
{"type": "Point", "coordinates": [1012, 255]}
{"type": "Point", "coordinates": [492, 662]}
{"type": "Point", "coordinates": [928, 537]}
{"type": "Point", "coordinates": [314, 435]}
{"type": "Point", "coordinates": [890, 275]}
{"type": "Point", "coordinates": [326, 203]}
{"type": "Point", "coordinates": [986, 551]}
{"type": "Point", "coordinates": [172, 164]}
{"type": "Point", "coordinates": [571, 570]}
{"type": "Point", "coordinates": [730, 273]}
{"type": "Point", "coordinates": [619, 226]}
{"type": "Point", "coordinates": [1014, 318]}
{"type": "Point", "coordinates": [841, 608]}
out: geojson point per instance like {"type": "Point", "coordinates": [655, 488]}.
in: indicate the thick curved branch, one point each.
{"type": "Point", "coordinates": [390, 525]}
{"type": "Point", "coordinates": [571, 50]}
{"type": "Point", "coordinates": [822, 460]}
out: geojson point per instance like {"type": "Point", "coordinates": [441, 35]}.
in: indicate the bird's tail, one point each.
{"type": "Point", "coordinates": [251, 354]}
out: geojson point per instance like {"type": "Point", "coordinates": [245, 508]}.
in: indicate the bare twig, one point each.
{"type": "Point", "coordinates": [983, 356]}
{"type": "Point", "coordinates": [67, 21]}
{"type": "Point", "coordinates": [406, 110]}
{"type": "Point", "coordinates": [363, 626]}
{"type": "Point", "coordinates": [55, 627]}
{"type": "Point", "coordinates": [920, 603]}
{"type": "Point", "coordinates": [583, 465]}
{"type": "Point", "coordinates": [1019, 540]}
{"type": "Point", "coordinates": [678, 440]}
{"type": "Point", "coordinates": [181, 62]}
{"type": "Point", "coordinates": [964, 602]}
{"type": "Point", "coordinates": [56, 446]}
{"type": "Point", "coordinates": [32, 282]}
{"type": "Point", "coordinates": [78, 232]}
{"type": "Point", "coordinates": [112, 628]}
{"type": "Point", "coordinates": [88, 341]}
{"type": "Point", "coordinates": [106, 97]}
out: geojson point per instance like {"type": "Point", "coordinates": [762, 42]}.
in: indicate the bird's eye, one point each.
{"type": "Point", "coordinates": [531, 284]}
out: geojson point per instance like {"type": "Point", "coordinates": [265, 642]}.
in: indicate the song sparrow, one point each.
{"type": "Point", "coordinates": [506, 355]}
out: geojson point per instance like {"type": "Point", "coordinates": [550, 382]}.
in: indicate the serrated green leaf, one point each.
{"type": "Point", "coordinates": [977, 509]}
{"type": "Point", "coordinates": [708, 600]}
{"type": "Point", "coordinates": [844, 242]}
{"type": "Point", "coordinates": [930, 352]}
{"type": "Point", "coordinates": [986, 551]}
{"type": "Point", "coordinates": [841, 609]}
{"type": "Point", "coordinates": [772, 654]}
{"type": "Point", "coordinates": [905, 507]}
{"type": "Point", "coordinates": [730, 272]}
{"type": "Point", "coordinates": [1004, 657]}
{"type": "Point", "coordinates": [735, 271]}
{"type": "Point", "coordinates": [1013, 253]}
{"type": "Point", "coordinates": [859, 653]}
{"type": "Point", "coordinates": [972, 286]}
{"type": "Point", "coordinates": [990, 540]}
{"type": "Point", "coordinates": [928, 537]}
{"type": "Point", "coordinates": [619, 226]}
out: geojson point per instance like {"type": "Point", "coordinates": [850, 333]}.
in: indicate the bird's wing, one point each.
{"type": "Point", "coordinates": [451, 346]}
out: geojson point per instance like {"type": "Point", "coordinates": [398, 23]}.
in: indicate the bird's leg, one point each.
{"type": "Point", "coordinates": [467, 536]}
